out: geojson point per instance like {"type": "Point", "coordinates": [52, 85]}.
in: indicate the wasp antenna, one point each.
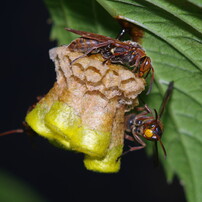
{"type": "Point", "coordinates": [151, 82]}
{"type": "Point", "coordinates": [123, 154]}
{"type": "Point", "coordinates": [164, 150]}
{"type": "Point", "coordinates": [156, 115]}
{"type": "Point", "coordinates": [156, 154]}
{"type": "Point", "coordinates": [12, 132]}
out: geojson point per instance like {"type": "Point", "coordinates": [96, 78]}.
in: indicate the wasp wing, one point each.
{"type": "Point", "coordinates": [101, 38]}
{"type": "Point", "coordinates": [93, 36]}
{"type": "Point", "coordinates": [166, 97]}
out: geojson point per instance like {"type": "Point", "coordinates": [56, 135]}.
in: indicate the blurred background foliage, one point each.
{"type": "Point", "coordinates": [13, 189]}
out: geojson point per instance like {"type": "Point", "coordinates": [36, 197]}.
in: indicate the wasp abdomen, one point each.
{"type": "Point", "coordinates": [83, 45]}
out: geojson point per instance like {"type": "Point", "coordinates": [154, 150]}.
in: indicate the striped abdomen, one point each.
{"type": "Point", "coordinates": [83, 45]}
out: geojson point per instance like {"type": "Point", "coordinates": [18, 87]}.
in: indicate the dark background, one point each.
{"type": "Point", "coordinates": [57, 175]}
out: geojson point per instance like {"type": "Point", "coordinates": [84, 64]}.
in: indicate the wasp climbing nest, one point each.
{"type": "Point", "coordinates": [84, 111]}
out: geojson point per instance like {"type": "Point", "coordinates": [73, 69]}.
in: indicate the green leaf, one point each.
{"type": "Point", "coordinates": [173, 40]}
{"type": "Point", "coordinates": [196, 2]}
{"type": "Point", "coordinates": [161, 23]}
{"type": "Point", "coordinates": [13, 190]}
{"type": "Point", "coordinates": [183, 10]}
{"type": "Point", "coordinates": [90, 17]}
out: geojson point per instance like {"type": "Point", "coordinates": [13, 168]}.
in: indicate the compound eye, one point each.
{"type": "Point", "coordinates": [159, 131]}
{"type": "Point", "coordinates": [138, 122]}
{"type": "Point", "coordinates": [129, 121]}
{"type": "Point", "coordinates": [148, 133]}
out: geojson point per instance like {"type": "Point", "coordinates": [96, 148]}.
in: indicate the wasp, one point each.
{"type": "Point", "coordinates": [127, 53]}
{"type": "Point", "coordinates": [146, 124]}
{"type": "Point", "coordinates": [25, 127]}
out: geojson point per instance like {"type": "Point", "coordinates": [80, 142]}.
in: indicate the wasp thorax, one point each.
{"type": "Point", "coordinates": [84, 111]}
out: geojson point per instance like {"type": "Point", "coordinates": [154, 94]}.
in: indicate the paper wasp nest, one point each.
{"type": "Point", "coordinates": [84, 111]}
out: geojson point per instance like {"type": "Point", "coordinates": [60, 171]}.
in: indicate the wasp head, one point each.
{"type": "Point", "coordinates": [153, 130]}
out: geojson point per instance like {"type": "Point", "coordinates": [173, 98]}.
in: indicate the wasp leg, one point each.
{"type": "Point", "coordinates": [106, 61]}
{"type": "Point", "coordinates": [139, 109]}
{"type": "Point", "coordinates": [12, 132]}
{"type": "Point", "coordinates": [137, 138]}
{"type": "Point", "coordinates": [82, 56]}
{"type": "Point", "coordinates": [140, 141]}
{"type": "Point", "coordinates": [137, 62]}
{"type": "Point", "coordinates": [147, 108]}
{"type": "Point", "coordinates": [151, 80]}
{"type": "Point", "coordinates": [114, 55]}
{"type": "Point", "coordinates": [128, 137]}
{"type": "Point", "coordinates": [143, 112]}
{"type": "Point", "coordinates": [121, 34]}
